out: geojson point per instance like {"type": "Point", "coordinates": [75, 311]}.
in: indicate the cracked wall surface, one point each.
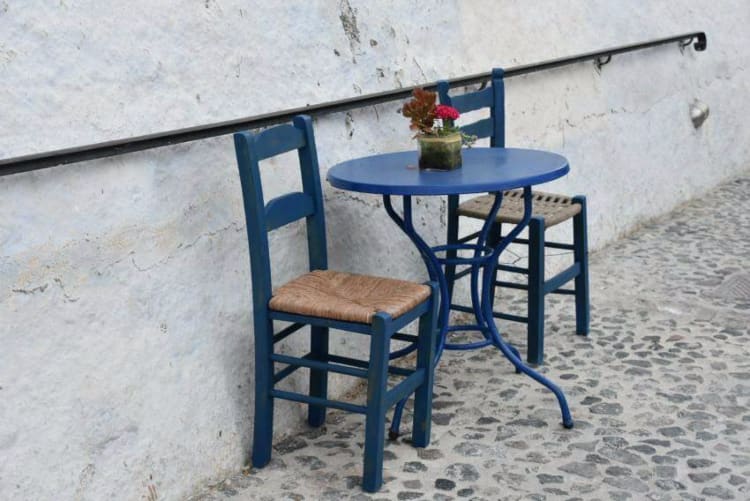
{"type": "Point", "coordinates": [125, 302]}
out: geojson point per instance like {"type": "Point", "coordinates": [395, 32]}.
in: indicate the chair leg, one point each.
{"type": "Point", "coordinates": [581, 255]}
{"type": "Point", "coordinates": [377, 382]}
{"type": "Point", "coordinates": [494, 237]}
{"type": "Point", "coordinates": [263, 422]}
{"type": "Point", "coordinates": [420, 434]}
{"type": "Point", "coordinates": [535, 298]}
{"type": "Point", "coordinates": [450, 269]}
{"type": "Point", "coordinates": [316, 414]}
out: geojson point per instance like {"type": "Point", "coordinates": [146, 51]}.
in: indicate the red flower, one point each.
{"type": "Point", "coordinates": [446, 112]}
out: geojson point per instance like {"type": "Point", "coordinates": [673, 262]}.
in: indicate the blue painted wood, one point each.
{"type": "Point", "coordinates": [252, 196]}
{"type": "Point", "coordinates": [452, 229]}
{"type": "Point", "coordinates": [318, 260]}
{"type": "Point", "coordinates": [473, 100]}
{"type": "Point", "coordinates": [427, 343]}
{"type": "Point", "coordinates": [323, 322]}
{"type": "Point", "coordinates": [512, 285]}
{"type": "Point", "coordinates": [443, 90]}
{"type": "Point", "coordinates": [469, 237]}
{"type": "Point", "coordinates": [480, 128]}
{"type": "Point", "coordinates": [316, 415]}
{"type": "Point", "coordinates": [461, 307]}
{"type": "Point", "coordinates": [483, 170]}
{"type": "Point", "coordinates": [308, 362]}
{"type": "Point", "coordinates": [398, 323]}
{"type": "Point", "coordinates": [497, 112]}
{"type": "Point", "coordinates": [264, 381]}
{"type": "Point", "coordinates": [493, 97]}
{"type": "Point", "coordinates": [260, 273]}
{"type": "Point", "coordinates": [405, 337]}
{"type": "Point", "coordinates": [278, 140]}
{"type": "Point", "coordinates": [494, 238]}
{"type": "Point", "coordinates": [392, 369]}
{"type": "Point", "coordinates": [463, 273]}
{"type": "Point", "coordinates": [512, 269]}
{"type": "Point", "coordinates": [404, 388]}
{"type": "Point", "coordinates": [550, 245]}
{"type": "Point", "coordinates": [286, 371]}
{"type": "Point", "coordinates": [287, 331]}
{"type": "Point", "coordinates": [261, 218]}
{"type": "Point", "coordinates": [496, 314]}
{"type": "Point", "coordinates": [510, 317]}
{"type": "Point", "coordinates": [535, 297]}
{"type": "Point", "coordinates": [562, 278]}
{"type": "Point", "coordinates": [452, 210]}
{"type": "Point", "coordinates": [581, 255]}
{"type": "Point", "coordinates": [288, 208]}
{"type": "Point", "coordinates": [376, 408]}
{"type": "Point", "coordinates": [316, 228]}
{"type": "Point", "coordinates": [315, 401]}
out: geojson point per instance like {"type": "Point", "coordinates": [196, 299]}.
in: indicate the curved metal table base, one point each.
{"type": "Point", "coordinates": [485, 260]}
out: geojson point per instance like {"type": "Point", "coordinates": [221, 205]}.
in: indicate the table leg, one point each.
{"type": "Point", "coordinates": [434, 268]}
{"type": "Point", "coordinates": [487, 302]}
{"type": "Point", "coordinates": [435, 271]}
{"type": "Point", "coordinates": [485, 259]}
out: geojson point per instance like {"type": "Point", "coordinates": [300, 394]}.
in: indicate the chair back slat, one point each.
{"type": "Point", "coordinates": [493, 97]}
{"type": "Point", "coordinates": [262, 218]}
{"type": "Point", "coordinates": [288, 208]}
{"type": "Point", "coordinates": [473, 100]}
{"type": "Point", "coordinates": [278, 140]}
{"type": "Point", "coordinates": [481, 128]}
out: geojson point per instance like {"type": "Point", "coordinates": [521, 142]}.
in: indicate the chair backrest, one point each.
{"type": "Point", "coordinates": [282, 210]}
{"type": "Point", "coordinates": [492, 97]}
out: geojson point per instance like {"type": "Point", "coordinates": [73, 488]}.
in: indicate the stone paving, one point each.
{"type": "Point", "coordinates": [660, 390]}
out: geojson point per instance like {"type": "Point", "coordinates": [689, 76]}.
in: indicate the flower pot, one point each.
{"type": "Point", "coordinates": [440, 152]}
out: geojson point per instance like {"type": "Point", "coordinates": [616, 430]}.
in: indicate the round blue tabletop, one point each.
{"type": "Point", "coordinates": [483, 170]}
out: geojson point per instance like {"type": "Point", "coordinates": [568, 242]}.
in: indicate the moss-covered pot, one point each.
{"type": "Point", "coordinates": [440, 153]}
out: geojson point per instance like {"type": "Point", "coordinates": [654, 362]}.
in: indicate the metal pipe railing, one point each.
{"type": "Point", "coordinates": [139, 143]}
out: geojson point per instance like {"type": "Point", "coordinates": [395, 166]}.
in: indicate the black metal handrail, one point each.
{"type": "Point", "coordinates": [122, 146]}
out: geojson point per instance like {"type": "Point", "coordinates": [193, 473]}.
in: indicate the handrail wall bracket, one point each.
{"type": "Point", "coordinates": [700, 41]}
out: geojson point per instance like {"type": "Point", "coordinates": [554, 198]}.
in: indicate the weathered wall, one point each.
{"type": "Point", "coordinates": [125, 310]}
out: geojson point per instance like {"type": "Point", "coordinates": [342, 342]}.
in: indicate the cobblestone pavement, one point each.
{"type": "Point", "coordinates": [660, 390]}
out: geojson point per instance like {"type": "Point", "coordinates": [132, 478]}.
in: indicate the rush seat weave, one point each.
{"type": "Point", "coordinates": [347, 297]}
{"type": "Point", "coordinates": [553, 208]}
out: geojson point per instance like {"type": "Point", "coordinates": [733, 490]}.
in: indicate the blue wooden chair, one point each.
{"type": "Point", "coordinates": [548, 210]}
{"type": "Point", "coordinates": [325, 299]}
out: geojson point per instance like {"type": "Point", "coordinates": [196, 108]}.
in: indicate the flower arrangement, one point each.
{"type": "Point", "coordinates": [438, 136]}
{"type": "Point", "coordinates": [423, 111]}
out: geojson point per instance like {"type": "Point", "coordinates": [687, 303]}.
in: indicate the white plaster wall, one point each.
{"type": "Point", "coordinates": [125, 304]}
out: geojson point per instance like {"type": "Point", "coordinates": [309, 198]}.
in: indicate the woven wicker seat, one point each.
{"type": "Point", "coordinates": [553, 208]}
{"type": "Point", "coordinates": [347, 297]}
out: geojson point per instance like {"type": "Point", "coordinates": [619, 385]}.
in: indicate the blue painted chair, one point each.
{"type": "Point", "coordinates": [548, 210]}
{"type": "Point", "coordinates": [325, 299]}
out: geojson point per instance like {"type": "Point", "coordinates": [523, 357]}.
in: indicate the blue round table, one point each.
{"type": "Point", "coordinates": [484, 170]}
